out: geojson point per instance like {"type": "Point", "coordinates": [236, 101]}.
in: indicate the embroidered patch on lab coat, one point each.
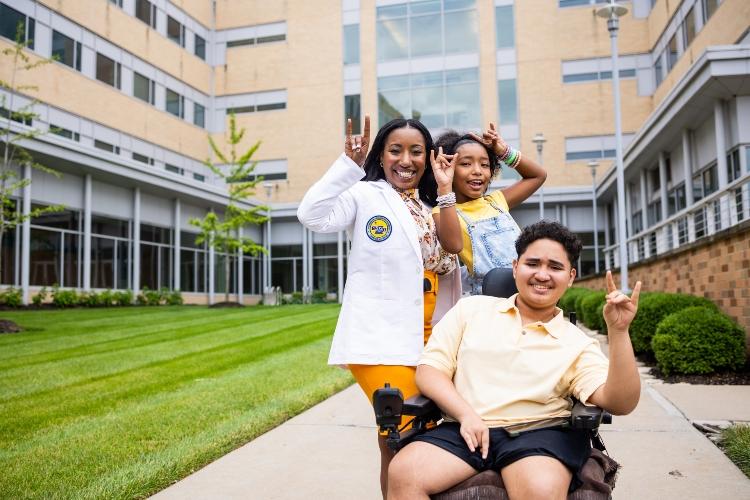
{"type": "Point", "coordinates": [378, 228]}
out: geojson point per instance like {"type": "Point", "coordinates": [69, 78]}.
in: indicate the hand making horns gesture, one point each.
{"type": "Point", "coordinates": [619, 310]}
{"type": "Point", "coordinates": [356, 146]}
{"type": "Point", "coordinates": [443, 166]}
{"type": "Point", "coordinates": [491, 138]}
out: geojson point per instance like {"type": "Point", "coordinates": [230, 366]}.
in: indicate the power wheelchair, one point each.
{"type": "Point", "coordinates": [599, 472]}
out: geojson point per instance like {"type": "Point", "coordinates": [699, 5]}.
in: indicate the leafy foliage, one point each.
{"type": "Point", "coordinates": [590, 310]}
{"type": "Point", "coordinates": [698, 340]}
{"type": "Point", "coordinates": [568, 301]}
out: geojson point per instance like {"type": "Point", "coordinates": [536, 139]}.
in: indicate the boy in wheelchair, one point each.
{"type": "Point", "coordinates": [498, 367]}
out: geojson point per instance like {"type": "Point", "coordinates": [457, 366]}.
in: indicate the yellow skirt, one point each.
{"type": "Point", "coordinates": [372, 377]}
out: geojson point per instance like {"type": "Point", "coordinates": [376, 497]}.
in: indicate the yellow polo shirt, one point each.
{"type": "Point", "coordinates": [511, 373]}
{"type": "Point", "coordinates": [475, 210]}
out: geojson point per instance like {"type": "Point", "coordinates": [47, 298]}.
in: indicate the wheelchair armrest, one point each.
{"type": "Point", "coordinates": [588, 417]}
{"type": "Point", "coordinates": [419, 406]}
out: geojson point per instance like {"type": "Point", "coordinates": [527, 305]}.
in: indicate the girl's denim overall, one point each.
{"type": "Point", "coordinates": [493, 244]}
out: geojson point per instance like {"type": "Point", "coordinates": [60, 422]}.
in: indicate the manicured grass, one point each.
{"type": "Point", "coordinates": [736, 444]}
{"type": "Point", "coordinates": [122, 402]}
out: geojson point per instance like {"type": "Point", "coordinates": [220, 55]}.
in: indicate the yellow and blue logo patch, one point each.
{"type": "Point", "coordinates": [378, 228]}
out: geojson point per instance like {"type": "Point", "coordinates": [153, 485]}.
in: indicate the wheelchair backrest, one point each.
{"type": "Point", "coordinates": [499, 282]}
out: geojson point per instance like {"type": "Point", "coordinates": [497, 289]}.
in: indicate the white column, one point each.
{"type": "Point", "coordinates": [240, 269]}
{"type": "Point", "coordinates": [211, 274]}
{"type": "Point", "coordinates": [721, 160]}
{"type": "Point", "coordinates": [311, 261]}
{"type": "Point", "coordinates": [136, 240]}
{"type": "Point", "coordinates": [644, 213]}
{"type": "Point", "coordinates": [87, 232]}
{"type": "Point", "coordinates": [26, 235]}
{"type": "Point", "coordinates": [269, 256]}
{"type": "Point", "coordinates": [177, 243]}
{"type": "Point", "coordinates": [305, 262]}
{"type": "Point", "coordinates": [340, 263]}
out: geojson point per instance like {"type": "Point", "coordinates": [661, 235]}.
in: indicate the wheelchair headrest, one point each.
{"type": "Point", "coordinates": [499, 282]}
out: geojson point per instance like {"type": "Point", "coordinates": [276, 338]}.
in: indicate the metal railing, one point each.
{"type": "Point", "coordinates": [713, 213]}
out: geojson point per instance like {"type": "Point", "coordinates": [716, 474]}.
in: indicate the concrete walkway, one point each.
{"type": "Point", "coordinates": [330, 451]}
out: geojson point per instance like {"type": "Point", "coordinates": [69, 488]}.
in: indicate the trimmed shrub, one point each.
{"type": "Point", "coordinates": [64, 298]}
{"type": "Point", "coordinates": [590, 310]}
{"type": "Point", "coordinates": [11, 297]}
{"type": "Point", "coordinates": [123, 297]}
{"type": "Point", "coordinates": [38, 298]}
{"type": "Point", "coordinates": [89, 299]}
{"type": "Point", "coordinates": [174, 298]}
{"type": "Point", "coordinates": [698, 340]}
{"type": "Point", "coordinates": [600, 313]}
{"type": "Point", "coordinates": [654, 307]}
{"type": "Point", "coordinates": [568, 301]}
{"type": "Point", "coordinates": [318, 296]}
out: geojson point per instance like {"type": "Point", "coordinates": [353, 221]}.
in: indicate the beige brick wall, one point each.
{"type": "Point", "coordinates": [133, 35]}
{"type": "Point", "coordinates": [200, 10]}
{"type": "Point", "coordinates": [718, 269]}
{"type": "Point", "coordinates": [238, 13]}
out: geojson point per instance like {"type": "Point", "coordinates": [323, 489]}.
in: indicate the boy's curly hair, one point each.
{"type": "Point", "coordinates": [550, 230]}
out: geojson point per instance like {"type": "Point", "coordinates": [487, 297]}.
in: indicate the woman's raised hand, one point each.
{"type": "Point", "coordinates": [443, 166]}
{"type": "Point", "coordinates": [491, 138]}
{"type": "Point", "coordinates": [356, 146]}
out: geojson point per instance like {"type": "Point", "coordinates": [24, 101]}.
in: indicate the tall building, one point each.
{"type": "Point", "coordinates": [138, 84]}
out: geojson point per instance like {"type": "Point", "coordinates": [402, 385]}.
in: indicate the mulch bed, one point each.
{"type": "Point", "coordinates": [8, 326]}
{"type": "Point", "coordinates": [227, 304]}
{"type": "Point", "coordinates": [740, 377]}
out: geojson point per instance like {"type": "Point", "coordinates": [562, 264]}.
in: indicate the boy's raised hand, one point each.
{"type": "Point", "coordinates": [619, 309]}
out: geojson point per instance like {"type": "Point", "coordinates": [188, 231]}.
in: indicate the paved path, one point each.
{"type": "Point", "coordinates": [330, 452]}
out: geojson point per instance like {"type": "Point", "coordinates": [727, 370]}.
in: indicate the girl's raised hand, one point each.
{"type": "Point", "coordinates": [491, 138]}
{"type": "Point", "coordinates": [443, 166]}
{"type": "Point", "coordinates": [355, 147]}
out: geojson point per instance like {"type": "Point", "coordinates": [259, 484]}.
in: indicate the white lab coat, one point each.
{"type": "Point", "coordinates": [382, 315]}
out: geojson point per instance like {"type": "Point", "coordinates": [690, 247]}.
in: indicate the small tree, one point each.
{"type": "Point", "coordinates": [222, 232]}
{"type": "Point", "coordinates": [11, 183]}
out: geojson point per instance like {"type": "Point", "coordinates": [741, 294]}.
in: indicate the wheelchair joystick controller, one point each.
{"type": "Point", "coordinates": [388, 403]}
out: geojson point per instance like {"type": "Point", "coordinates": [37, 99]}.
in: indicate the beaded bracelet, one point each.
{"type": "Point", "coordinates": [446, 200]}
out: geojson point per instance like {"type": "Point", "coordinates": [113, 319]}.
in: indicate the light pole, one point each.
{"type": "Point", "coordinates": [539, 140]}
{"type": "Point", "coordinates": [612, 13]}
{"type": "Point", "coordinates": [592, 165]}
{"type": "Point", "coordinates": [269, 187]}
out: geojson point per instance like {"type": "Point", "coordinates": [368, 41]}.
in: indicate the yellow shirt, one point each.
{"type": "Point", "coordinates": [509, 373]}
{"type": "Point", "coordinates": [476, 210]}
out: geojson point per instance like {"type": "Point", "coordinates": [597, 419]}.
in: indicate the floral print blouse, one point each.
{"type": "Point", "coordinates": [433, 256]}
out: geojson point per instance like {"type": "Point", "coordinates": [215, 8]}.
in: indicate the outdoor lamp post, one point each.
{"type": "Point", "coordinates": [612, 12]}
{"type": "Point", "coordinates": [539, 140]}
{"type": "Point", "coordinates": [592, 165]}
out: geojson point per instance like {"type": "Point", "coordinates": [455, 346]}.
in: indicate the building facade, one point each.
{"type": "Point", "coordinates": [137, 85]}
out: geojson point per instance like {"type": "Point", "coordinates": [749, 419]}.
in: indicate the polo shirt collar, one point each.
{"type": "Point", "coordinates": [554, 327]}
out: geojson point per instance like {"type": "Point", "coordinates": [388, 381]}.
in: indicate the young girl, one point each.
{"type": "Point", "coordinates": [489, 231]}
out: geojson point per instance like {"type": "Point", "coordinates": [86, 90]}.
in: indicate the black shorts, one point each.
{"type": "Point", "coordinates": [572, 447]}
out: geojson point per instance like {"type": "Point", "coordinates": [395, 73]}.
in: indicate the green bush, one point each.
{"type": "Point", "coordinates": [11, 297]}
{"type": "Point", "coordinates": [89, 299]}
{"type": "Point", "coordinates": [655, 306]}
{"type": "Point", "coordinates": [578, 302]}
{"type": "Point", "coordinates": [600, 313]}
{"type": "Point", "coordinates": [38, 298]}
{"type": "Point", "coordinates": [568, 301]}
{"type": "Point", "coordinates": [589, 310]}
{"type": "Point", "coordinates": [106, 298]}
{"type": "Point", "coordinates": [123, 297]}
{"type": "Point", "coordinates": [64, 298]}
{"type": "Point", "coordinates": [174, 298]}
{"type": "Point", "coordinates": [319, 296]}
{"type": "Point", "coordinates": [149, 297]}
{"type": "Point", "coordinates": [698, 340]}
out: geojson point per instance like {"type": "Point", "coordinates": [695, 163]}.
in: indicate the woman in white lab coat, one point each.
{"type": "Point", "coordinates": [383, 198]}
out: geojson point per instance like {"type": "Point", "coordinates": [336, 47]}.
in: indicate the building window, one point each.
{"type": "Point", "coordinates": [734, 169]}
{"type": "Point", "coordinates": [420, 29]}
{"type": "Point", "coordinates": [507, 96]}
{"type": "Point", "coordinates": [596, 75]}
{"type": "Point", "coordinates": [688, 28]}
{"type": "Point", "coordinates": [653, 214]}
{"type": "Point", "coordinates": [658, 70]}
{"type": "Point", "coordinates": [199, 177]}
{"type": "Point", "coordinates": [175, 104]}
{"type": "Point", "coordinates": [66, 50]}
{"type": "Point", "coordinates": [260, 107]}
{"type": "Point", "coordinates": [676, 200]}
{"type": "Point", "coordinates": [116, 2]}
{"type": "Point", "coordinates": [256, 40]}
{"type": "Point", "coordinates": [105, 146]}
{"type": "Point", "coordinates": [504, 27]}
{"type": "Point", "coordinates": [438, 98]}
{"type": "Point", "coordinates": [175, 31]}
{"type": "Point", "coordinates": [353, 110]}
{"type": "Point", "coordinates": [200, 47]}
{"type": "Point", "coordinates": [174, 169]}
{"type": "Point", "coordinates": [199, 115]}
{"type": "Point", "coordinates": [143, 88]}
{"type": "Point", "coordinates": [672, 53]}
{"type": "Point", "coordinates": [108, 71]}
{"type": "Point", "coordinates": [17, 116]}
{"type": "Point", "coordinates": [351, 44]}
{"type": "Point", "coordinates": [574, 3]}
{"type": "Point", "coordinates": [64, 132]}
{"type": "Point", "coordinates": [11, 21]}
{"type": "Point", "coordinates": [143, 158]}
{"type": "Point", "coordinates": [709, 7]}
{"type": "Point", "coordinates": [146, 12]}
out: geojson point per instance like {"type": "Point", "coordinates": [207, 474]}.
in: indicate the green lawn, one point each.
{"type": "Point", "coordinates": [122, 402]}
{"type": "Point", "coordinates": [735, 441]}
